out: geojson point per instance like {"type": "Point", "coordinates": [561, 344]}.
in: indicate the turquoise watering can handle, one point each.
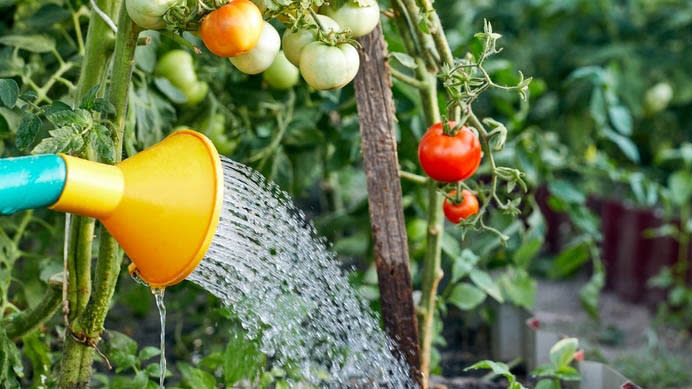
{"type": "Point", "coordinates": [30, 182]}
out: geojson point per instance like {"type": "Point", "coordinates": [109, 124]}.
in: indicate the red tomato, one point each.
{"type": "Point", "coordinates": [233, 29]}
{"type": "Point", "coordinates": [467, 207]}
{"type": "Point", "coordinates": [449, 158]}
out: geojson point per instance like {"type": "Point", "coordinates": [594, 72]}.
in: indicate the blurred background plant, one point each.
{"type": "Point", "coordinates": [607, 120]}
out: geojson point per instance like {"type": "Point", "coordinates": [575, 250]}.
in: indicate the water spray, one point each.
{"type": "Point", "coordinates": [162, 205]}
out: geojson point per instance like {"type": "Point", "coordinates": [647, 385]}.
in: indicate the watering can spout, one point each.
{"type": "Point", "coordinates": [162, 205]}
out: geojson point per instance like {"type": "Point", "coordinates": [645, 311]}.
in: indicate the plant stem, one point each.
{"type": "Point", "coordinates": [97, 51]}
{"type": "Point", "coordinates": [415, 178]}
{"type": "Point", "coordinates": [75, 370]}
{"type": "Point", "coordinates": [23, 323]}
{"type": "Point", "coordinates": [432, 274]}
{"type": "Point", "coordinates": [406, 78]}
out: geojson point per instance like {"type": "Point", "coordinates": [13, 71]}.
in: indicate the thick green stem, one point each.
{"type": "Point", "coordinates": [78, 356]}
{"type": "Point", "coordinates": [23, 323]}
{"type": "Point", "coordinates": [99, 45]}
{"type": "Point", "coordinates": [89, 326]}
{"type": "Point", "coordinates": [432, 274]}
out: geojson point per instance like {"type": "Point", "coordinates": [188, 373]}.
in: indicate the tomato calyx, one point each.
{"type": "Point", "coordinates": [450, 128]}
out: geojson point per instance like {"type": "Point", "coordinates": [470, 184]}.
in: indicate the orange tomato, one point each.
{"type": "Point", "coordinates": [233, 29]}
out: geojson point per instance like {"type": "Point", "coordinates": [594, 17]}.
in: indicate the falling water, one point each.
{"type": "Point", "coordinates": [158, 296]}
{"type": "Point", "coordinates": [268, 265]}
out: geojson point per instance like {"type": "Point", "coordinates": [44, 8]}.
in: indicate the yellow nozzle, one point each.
{"type": "Point", "coordinates": [162, 205]}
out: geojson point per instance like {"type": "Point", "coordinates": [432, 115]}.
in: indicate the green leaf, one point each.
{"type": "Point", "coordinates": [568, 373]}
{"type": "Point", "coordinates": [60, 118]}
{"type": "Point", "coordinates": [485, 282]}
{"type": "Point", "coordinates": [680, 185]}
{"type": "Point", "coordinates": [519, 288]}
{"type": "Point", "coordinates": [148, 352]}
{"type": "Point", "coordinates": [566, 191]}
{"type": "Point", "coordinates": [90, 97]}
{"type": "Point", "coordinates": [37, 351]}
{"type": "Point", "coordinates": [48, 15]}
{"type": "Point", "coordinates": [591, 291]}
{"type": "Point", "coordinates": [9, 91]}
{"type": "Point", "coordinates": [569, 260]}
{"type": "Point", "coordinates": [103, 143]}
{"type": "Point", "coordinates": [547, 384]}
{"type": "Point", "coordinates": [122, 350]}
{"type": "Point", "coordinates": [196, 378]}
{"type": "Point", "coordinates": [621, 119]}
{"type": "Point", "coordinates": [29, 127]}
{"type": "Point", "coordinates": [562, 352]}
{"type": "Point", "coordinates": [466, 296]}
{"type": "Point", "coordinates": [212, 361]}
{"type": "Point", "coordinates": [140, 380]}
{"type": "Point", "coordinates": [242, 359]}
{"type": "Point", "coordinates": [404, 59]}
{"type": "Point", "coordinates": [463, 264]}
{"type": "Point", "coordinates": [662, 231]}
{"type": "Point", "coordinates": [34, 43]}
{"type": "Point", "coordinates": [498, 368]}
{"type": "Point", "coordinates": [169, 90]}
{"type": "Point", "coordinates": [624, 144]}
{"type": "Point", "coordinates": [527, 251]}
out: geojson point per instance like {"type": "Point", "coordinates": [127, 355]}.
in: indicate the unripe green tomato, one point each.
{"type": "Point", "coordinates": [196, 93]}
{"type": "Point", "coordinates": [657, 98]}
{"type": "Point", "coordinates": [293, 42]}
{"type": "Point", "coordinates": [214, 128]}
{"type": "Point", "coordinates": [262, 55]}
{"type": "Point", "coordinates": [282, 74]}
{"type": "Point", "coordinates": [326, 67]}
{"type": "Point", "coordinates": [148, 14]}
{"type": "Point", "coordinates": [177, 66]}
{"type": "Point", "coordinates": [361, 20]}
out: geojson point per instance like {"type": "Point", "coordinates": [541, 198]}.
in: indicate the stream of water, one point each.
{"type": "Point", "coordinates": [158, 296]}
{"type": "Point", "coordinates": [268, 264]}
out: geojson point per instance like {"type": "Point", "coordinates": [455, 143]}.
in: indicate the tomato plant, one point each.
{"type": "Point", "coordinates": [449, 155]}
{"type": "Point", "coordinates": [233, 29]}
{"type": "Point", "coordinates": [456, 208]}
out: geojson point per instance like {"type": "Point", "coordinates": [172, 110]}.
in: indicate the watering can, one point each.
{"type": "Point", "coordinates": [162, 205]}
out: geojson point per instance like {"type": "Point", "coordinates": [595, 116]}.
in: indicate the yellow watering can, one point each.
{"type": "Point", "coordinates": [162, 205]}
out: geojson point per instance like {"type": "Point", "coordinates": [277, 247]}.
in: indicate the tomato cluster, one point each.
{"type": "Point", "coordinates": [450, 155]}
{"type": "Point", "coordinates": [238, 31]}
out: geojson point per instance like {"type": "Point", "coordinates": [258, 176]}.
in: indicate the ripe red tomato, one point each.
{"type": "Point", "coordinates": [449, 158]}
{"type": "Point", "coordinates": [467, 207]}
{"type": "Point", "coordinates": [233, 29]}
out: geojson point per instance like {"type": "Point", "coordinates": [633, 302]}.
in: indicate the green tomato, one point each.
{"type": "Point", "coordinates": [281, 74]}
{"type": "Point", "coordinates": [360, 17]}
{"type": "Point", "coordinates": [177, 66]}
{"type": "Point", "coordinates": [214, 127]}
{"type": "Point", "coordinates": [326, 67]}
{"type": "Point", "coordinates": [148, 14]}
{"type": "Point", "coordinates": [293, 42]}
{"type": "Point", "coordinates": [657, 98]}
{"type": "Point", "coordinates": [262, 55]}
